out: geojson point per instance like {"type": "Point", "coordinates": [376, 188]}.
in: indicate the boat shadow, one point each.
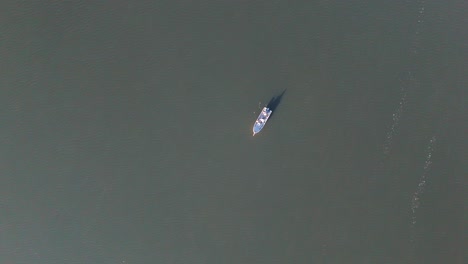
{"type": "Point", "coordinates": [274, 102]}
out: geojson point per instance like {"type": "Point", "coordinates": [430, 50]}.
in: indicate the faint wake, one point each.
{"type": "Point", "coordinates": [412, 81]}
{"type": "Point", "coordinates": [415, 201]}
{"type": "Point", "coordinates": [396, 120]}
{"type": "Point", "coordinates": [419, 26]}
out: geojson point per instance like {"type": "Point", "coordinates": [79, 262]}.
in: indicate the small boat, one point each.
{"type": "Point", "coordinates": [261, 120]}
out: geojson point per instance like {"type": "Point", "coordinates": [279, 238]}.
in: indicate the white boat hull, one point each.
{"type": "Point", "coordinates": [261, 120]}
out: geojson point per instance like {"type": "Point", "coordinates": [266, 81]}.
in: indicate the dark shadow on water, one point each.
{"type": "Point", "coordinates": [274, 102]}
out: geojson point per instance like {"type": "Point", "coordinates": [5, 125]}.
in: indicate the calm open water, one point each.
{"type": "Point", "coordinates": [126, 132]}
